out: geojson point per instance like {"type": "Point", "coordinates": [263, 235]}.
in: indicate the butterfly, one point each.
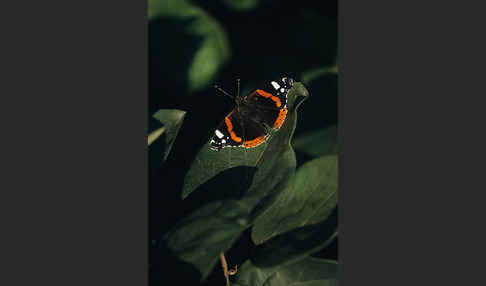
{"type": "Point", "coordinates": [248, 124]}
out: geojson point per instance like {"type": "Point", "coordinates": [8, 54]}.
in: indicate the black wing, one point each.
{"type": "Point", "coordinates": [269, 106]}
{"type": "Point", "coordinates": [229, 132]}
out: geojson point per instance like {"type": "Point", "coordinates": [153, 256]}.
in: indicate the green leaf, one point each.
{"type": "Point", "coordinates": [212, 229]}
{"type": "Point", "coordinates": [308, 199]}
{"type": "Point", "coordinates": [187, 46]}
{"type": "Point", "coordinates": [200, 237]}
{"type": "Point", "coordinates": [171, 120]}
{"type": "Point", "coordinates": [274, 160]}
{"type": "Point", "coordinates": [241, 5]}
{"type": "Point", "coordinates": [159, 8]}
{"type": "Point", "coordinates": [313, 74]}
{"type": "Point", "coordinates": [154, 135]}
{"type": "Point", "coordinates": [318, 143]}
{"type": "Point", "coordinates": [296, 244]}
{"type": "Point", "coordinates": [307, 272]}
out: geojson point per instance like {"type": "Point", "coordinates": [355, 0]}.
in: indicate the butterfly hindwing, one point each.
{"type": "Point", "coordinates": [226, 133]}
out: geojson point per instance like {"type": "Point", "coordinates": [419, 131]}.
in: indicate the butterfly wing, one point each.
{"type": "Point", "coordinates": [270, 104]}
{"type": "Point", "coordinates": [254, 132]}
{"type": "Point", "coordinates": [228, 133]}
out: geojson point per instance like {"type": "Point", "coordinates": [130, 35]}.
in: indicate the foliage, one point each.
{"type": "Point", "coordinates": [171, 121]}
{"type": "Point", "coordinates": [308, 271]}
{"type": "Point", "coordinates": [271, 209]}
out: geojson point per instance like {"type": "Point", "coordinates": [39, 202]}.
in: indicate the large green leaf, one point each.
{"type": "Point", "coordinates": [318, 143]}
{"type": "Point", "coordinates": [187, 46]}
{"type": "Point", "coordinates": [200, 237]}
{"type": "Point", "coordinates": [274, 160]}
{"type": "Point", "coordinates": [308, 199]}
{"type": "Point", "coordinates": [171, 120]}
{"type": "Point", "coordinates": [245, 175]}
{"type": "Point", "coordinates": [306, 272]}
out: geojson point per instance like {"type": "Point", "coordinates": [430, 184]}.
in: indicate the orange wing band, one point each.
{"type": "Point", "coordinates": [280, 119]}
{"type": "Point", "coordinates": [269, 95]}
{"type": "Point", "coordinates": [255, 142]}
{"type": "Point", "coordinates": [230, 129]}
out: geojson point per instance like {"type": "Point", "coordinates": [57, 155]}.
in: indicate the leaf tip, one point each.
{"type": "Point", "coordinates": [299, 89]}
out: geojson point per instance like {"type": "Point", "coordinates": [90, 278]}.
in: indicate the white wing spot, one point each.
{"type": "Point", "coordinates": [219, 134]}
{"type": "Point", "coordinates": [275, 85]}
{"type": "Point", "coordinates": [282, 90]}
{"type": "Point", "coordinates": [223, 141]}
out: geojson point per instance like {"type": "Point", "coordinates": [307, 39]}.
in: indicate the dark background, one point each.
{"type": "Point", "coordinates": [267, 40]}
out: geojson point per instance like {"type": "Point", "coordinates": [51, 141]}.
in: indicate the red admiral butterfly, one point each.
{"type": "Point", "coordinates": [248, 124]}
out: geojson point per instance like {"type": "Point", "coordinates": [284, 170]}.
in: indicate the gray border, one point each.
{"type": "Point", "coordinates": [407, 112]}
{"type": "Point", "coordinates": [75, 166]}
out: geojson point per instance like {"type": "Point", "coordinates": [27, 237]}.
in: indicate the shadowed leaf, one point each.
{"type": "Point", "coordinates": [318, 143]}
{"type": "Point", "coordinates": [200, 237]}
{"type": "Point", "coordinates": [241, 5]}
{"type": "Point", "coordinates": [187, 46]}
{"type": "Point", "coordinates": [307, 272]}
{"type": "Point", "coordinates": [296, 244]}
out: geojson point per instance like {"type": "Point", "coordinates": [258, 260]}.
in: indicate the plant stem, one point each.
{"type": "Point", "coordinates": [224, 265]}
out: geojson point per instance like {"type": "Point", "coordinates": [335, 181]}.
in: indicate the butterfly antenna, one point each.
{"type": "Point", "coordinates": [221, 90]}
{"type": "Point", "coordinates": [238, 87]}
